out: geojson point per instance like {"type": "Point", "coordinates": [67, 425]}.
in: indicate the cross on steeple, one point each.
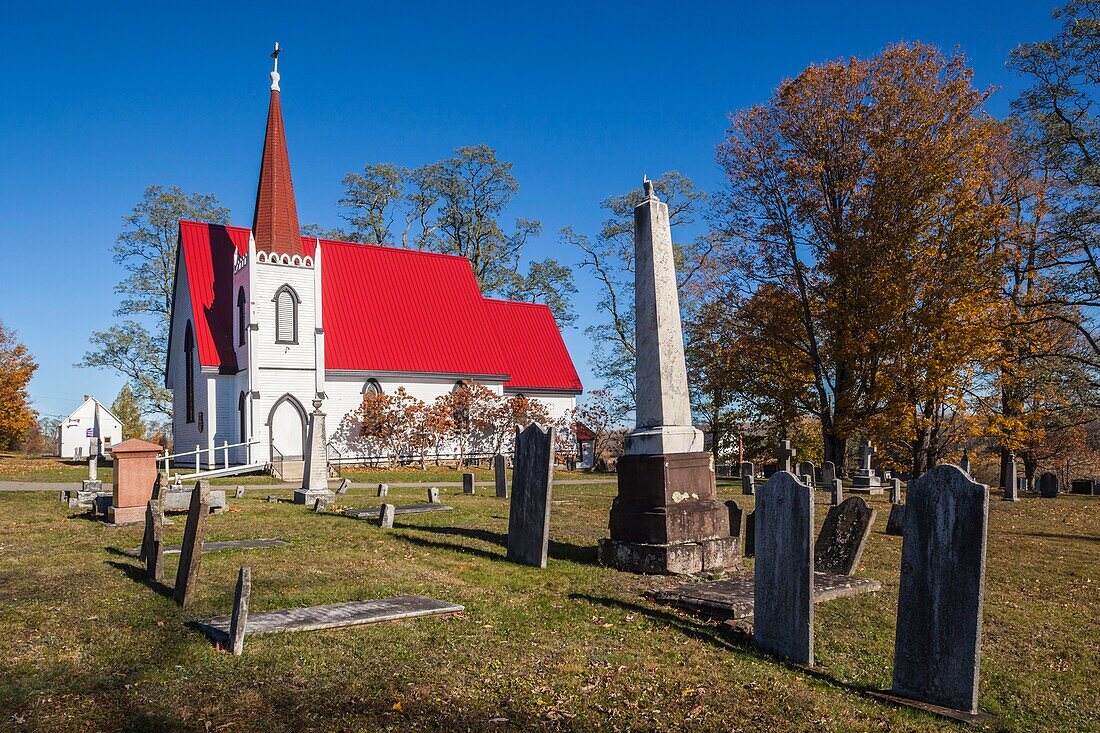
{"type": "Point", "coordinates": [275, 68]}
{"type": "Point", "coordinates": [786, 456]}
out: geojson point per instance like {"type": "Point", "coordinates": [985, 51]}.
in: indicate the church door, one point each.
{"type": "Point", "coordinates": [288, 430]}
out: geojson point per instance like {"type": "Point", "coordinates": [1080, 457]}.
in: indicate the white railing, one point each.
{"type": "Point", "coordinates": [211, 458]}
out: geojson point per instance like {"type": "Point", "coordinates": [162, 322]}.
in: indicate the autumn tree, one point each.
{"type": "Point", "coordinates": [17, 366]}
{"type": "Point", "coordinates": [853, 196]}
{"type": "Point", "coordinates": [602, 414]}
{"type": "Point", "coordinates": [128, 411]}
{"type": "Point", "coordinates": [456, 206]}
{"type": "Point", "coordinates": [137, 346]}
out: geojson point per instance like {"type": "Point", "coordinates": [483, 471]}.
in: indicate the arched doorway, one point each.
{"type": "Point", "coordinates": [288, 429]}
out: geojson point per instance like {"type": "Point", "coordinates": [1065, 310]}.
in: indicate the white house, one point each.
{"type": "Point", "coordinates": [86, 424]}
{"type": "Point", "coordinates": [267, 323]}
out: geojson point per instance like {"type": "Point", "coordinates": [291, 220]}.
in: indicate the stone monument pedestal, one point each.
{"type": "Point", "coordinates": [315, 475]}
{"type": "Point", "coordinates": [135, 474]}
{"type": "Point", "coordinates": [866, 482]}
{"type": "Point", "coordinates": [667, 518]}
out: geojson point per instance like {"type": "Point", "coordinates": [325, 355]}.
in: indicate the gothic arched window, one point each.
{"type": "Point", "coordinates": [242, 316]}
{"type": "Point", "coordinates": [189, 380]}
{"type": "Point", "coordinates": [372, 387]}
{"type": "Point", "coordinates": [286, 315]}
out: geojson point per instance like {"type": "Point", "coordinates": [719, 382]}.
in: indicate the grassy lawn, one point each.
{"type": "Point", "coordinates": [573, 647]}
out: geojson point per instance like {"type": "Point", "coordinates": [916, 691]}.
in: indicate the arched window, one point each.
{"type": "Point", "coordinates": [242, 409]}
{"type": "Point", "coordinates": [189, 351]}
{"type": "Point", "coordinates": [242, 316]}
{"type": "Point", "coordinates": [372, 387]}
{"type": "Point", "coordinates": [286, 315]}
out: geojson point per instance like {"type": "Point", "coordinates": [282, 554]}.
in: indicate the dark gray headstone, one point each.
{"type": "Point", "coordinates": [828, 473]}
{"type": "Point", "coordinates": [154, 528]}
{"type": "Point", "coordinates": [500, 476]}
{"type": "Point", "coordinates": [532, 486]}
{"type": "Point", "coordinates": [806, 468]}
{"type": "Point", "coordinates": [345, 484]}
{"type": "Point", "coordinates": [895, 523]}
{"type": "Point", "coordinates": [747, 485]}
{"type": "Point", "coordinates": [843, 536]}
{"type": "Point", "coordinates": [786, 456]}
{"type": "Point", "coordinates": [783, 607]}
{"type": "Point", "coordinates": [238, 625]}
{"type": "Point", "coordinates": [385, 516]}
{"type": "Point", "coordinates": [838, 491]}
{"type": "Point", "coordinates": [747, 469]}
{"type": "Point", "coordinates": [191, 552]}
{"type": "Point", "coordinates": [1049, 484]}
{"type": "Point", "coordinates": [1085, 486]}
{"type": "Point", "coordinates": [750, 533]}
{"type": "Point", "coordinates": [895, 491]}
{"type": "Point", "coordinates": [467, 483]}
{"type": "Point", "coordinates": [433, 495]}
{"type": "Point", "coordinates": [383, 490]}
{"type": "Point", "coordinates": [937, 646]}
{"type": "Point", "coordinates": [735, 513]}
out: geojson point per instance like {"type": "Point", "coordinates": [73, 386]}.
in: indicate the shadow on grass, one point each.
{"type": "Point", "coordinates": [580, 554]}
{"type": "Point", "coordinates": [1056, 536]}
{"type": "Point", "coordinates": [138, 575]}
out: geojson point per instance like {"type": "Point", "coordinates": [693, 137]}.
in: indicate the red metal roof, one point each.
{"type": "Point", "coordinates": [208, 252]}
{"type": "Point", "coordinates": [387, 310]}
{"type": "Point", "coordinates": [536, 353]}
{"type": "Point", "coordinates": [275, 219]}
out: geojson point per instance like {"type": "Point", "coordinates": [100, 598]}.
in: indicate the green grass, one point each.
{"type": "Point", "coordinates": [88, 646]}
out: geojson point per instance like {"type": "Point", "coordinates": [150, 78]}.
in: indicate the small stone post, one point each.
{"type": "Point", "coordinates": [895, 491]}
{"type": "Point", "coordinates": [501, 476]}
{"type": "Point", "coordinates": [433, 495]}
{"type": "Point", "coordinates": [1011, 487]}
{"type": "Point", "coordinates": [385, 516]}
{"type": "Point", "coordinates": [467, 483]}
{"type": "Point", "coordinates": [238, 626]}
{"type": "Point", "coordinates": [383, 490]}
{"type": "Point", "coordinates": [746, 485]}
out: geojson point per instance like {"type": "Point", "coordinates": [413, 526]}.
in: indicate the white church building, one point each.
{"type": "Point", "coordinates": [88, 429]}
{"type": "Point", "coordinates": [267, 323]}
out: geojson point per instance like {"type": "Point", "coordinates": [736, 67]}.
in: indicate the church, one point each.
{"type": "Point", "coordinates": [267, 325]}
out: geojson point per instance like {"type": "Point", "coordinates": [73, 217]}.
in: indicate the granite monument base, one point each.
{"type": "Point", "coordinates": [684, 558]}
{"type": "Point", "coordinates": [310, 496]}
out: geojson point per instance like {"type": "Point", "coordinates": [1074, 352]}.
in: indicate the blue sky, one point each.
{"type": "Point", "coordinates": [101, 100]}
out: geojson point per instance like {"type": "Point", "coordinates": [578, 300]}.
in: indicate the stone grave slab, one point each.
{"type": "Point", "coordinates": [843, 536]}
{"type": "Point", "coordinates": [372, 512]}
{"type": "Point", "coordinates": [330, 616]}
{"type": "Point", "coordinates": [260, 544]}
{"type": "Point", "coordinates": [733, 597]}
{"type": "Point", "coordinates": [179, 500]}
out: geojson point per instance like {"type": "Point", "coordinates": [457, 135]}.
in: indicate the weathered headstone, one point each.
{"type": "Point", "coordinates": [385, 516]}
{"type": "Point", "coordinates": [1049, 485]}
{"type": "Point", "coordinates": [320, 504]}
{"type": "Point", "coordinates": [828, 473]}
{"type": "Point", "coordinates": [786, 455]}
{"type": "Point", "coordinates": [806, 469]}
{"type": "Point", "coordinates": [532, 486]}
{"type": "Point", "coordinates": [964, 464]}
{"type": "Point", "coordinates": [735, 517]}
{"type": "Point", "coordinates": [895, 523]}
{"type": "Point", "coordinates": [747, 469]}
{"type": "Point", "coordinates": [467, 483]}
{"type": "Point", "coordinates": [154, 552]}
{"type": "Point", "coordinates": [937, 645]}
{"type": "Point", "coordinates": [239, 493]}
{"type": "Point", "coordinates": [747, 485]}
{"type": "Point", "coordinates": [191, 553]}
{"type": "Point", "coordinates": [239, 624]}
{"type": "Point", "coordinates": [345, 484]}
{"type": "Point", "coordinates": [433, 495]}
{"type": "Point", "coordinates": [1011, 487]}
{"type": "Point", "coordinates": [383, 490]}
{"type": "Point", "coordinates": [500, 476]}
{"type": "Point", "coordinates": [843, 536]}
{"type": "Point", "coordinates": [783, 610]}
{"type": "Point", "coordinates": [838, 492]}
{"type": "Point", "coordinates": [750, 534]}
{"type": "Point", "coordinates": [895, 491]}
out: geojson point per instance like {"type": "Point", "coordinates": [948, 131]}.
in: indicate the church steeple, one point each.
{"type": "Point", "coordinates": [275, 221]}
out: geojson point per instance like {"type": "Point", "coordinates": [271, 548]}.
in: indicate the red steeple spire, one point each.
{"type": "Point", "coordinates": [275, 222]}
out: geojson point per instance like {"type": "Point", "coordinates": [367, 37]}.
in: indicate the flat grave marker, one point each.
{"type": "Point", "coordinates": [208, 547]}
{"type": "Point", "coordinates": [372, 512]}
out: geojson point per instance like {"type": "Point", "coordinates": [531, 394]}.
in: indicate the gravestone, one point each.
{"type": "Point", "coordinates": [895, 491]}
{"type": "Point", "coordinates": [735, 517]}
{"type": "Point", "coordinates": [467, 483]}
{"type": "Point", "coordinates": [385, 516]}
{"type": "Point", "coordinates": [806, 468]}
{"type": "Point", "coordinates": [828, 473]}
{"type": "Point", "coordinates": [272, 499]}
{"type": "Point", "coordinates": [154, 553]}
{"type": "Point", "coordinates": [747, 485]}
{"type": "Point", "coordinates": [808, 479]}
{"type": "Point", "coordinates": [1011, 487]}
{"type": "Point", "coordinates": [838, 492]}
{"type": "Point", "coordinates": [1086, 487]}
{"type": "Point", "coordinates": [964, 464]}
{"type": "Point", "coordinates": [433, 495]}
{"type": "Point", "coordinates": [786, 455]}
{"type": "Point", "coordinates": [895, 523]}
{"type": "Point", "coordinates": [345, 484]}
{"type": "Point", "coordinates": [1049, 484]}
{"type": "Point", "coordinates": [383, 490]}
{"type": "Point", "coordinates": [239, 624]}
{"type": "Point", "coordinates": [191, 552]}
{"type": "Point", "coordinates": [500, 476]}
{"type": "Point", "coordinates": [783, 607]}
{"type": "Point", "coordinates": [866, 479]}
{"type": "Point", "coordinates": [747, 469]}
{"type": "Point", "coordinates": [937, 646]}
{"type": "Point", "coordinates": [843, 536]}
{"type": "Point", "coordinates": [532, 486]}
{"type": "Point", "coordinates": [320, 504]}
{"type": "Point", "coordinates": [750, 534]}
{"type": "Point", "coordinates": [239, 493]}
{"type": "Point", "coordinates": [1021, 483]}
